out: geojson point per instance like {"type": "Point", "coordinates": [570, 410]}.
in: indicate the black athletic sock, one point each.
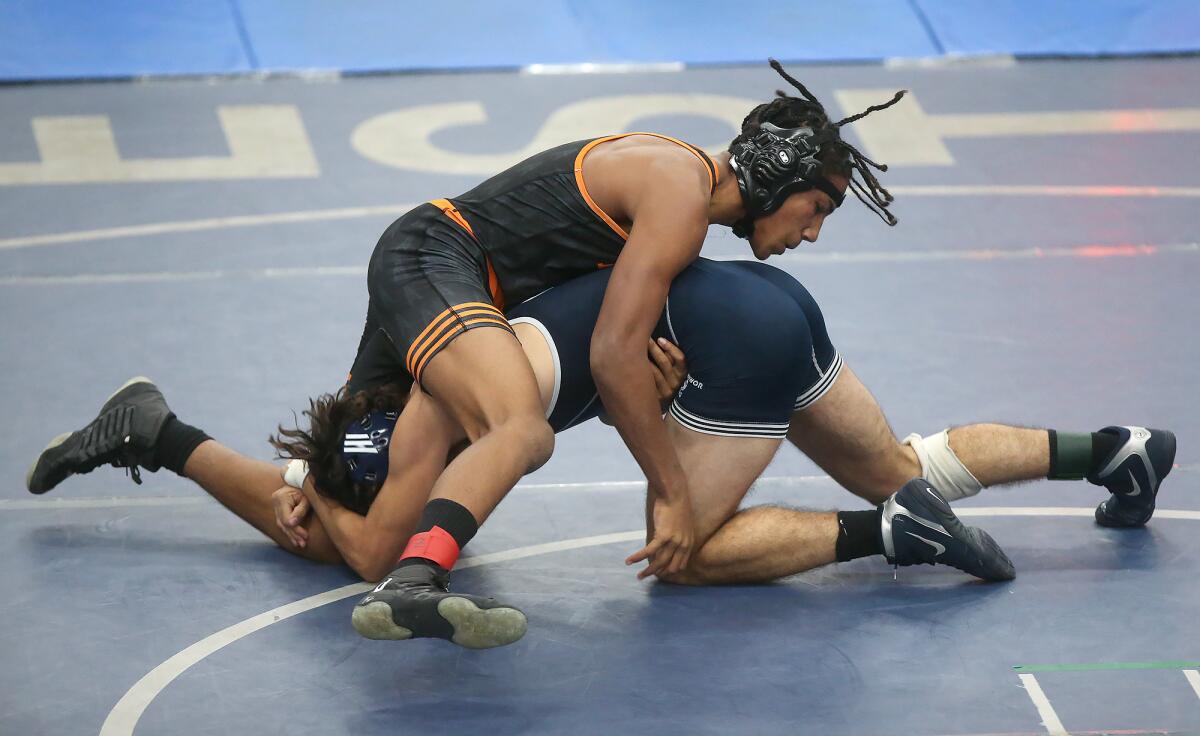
{"type": "Point", "coordinates": [175, 444]}
{"type": "Point", "coordinates": [453, 519]}
{"type": "Point", "coordinates": [859, 534]}
{"type": "Point", "coordinates": [1073, 455]}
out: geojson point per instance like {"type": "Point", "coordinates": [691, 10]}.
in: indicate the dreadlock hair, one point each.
{"type": "Point", "coordinates": [837, 157]}
{"type": "Point", "coordinates": [321, 446]}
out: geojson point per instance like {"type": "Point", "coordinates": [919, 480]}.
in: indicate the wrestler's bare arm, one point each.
{"type": "Point", "coordinates": [668, 209]}
{"type": "Point", "coordinates": [417, 455]}
{"type": "Point", "coordinates": [668, 367]}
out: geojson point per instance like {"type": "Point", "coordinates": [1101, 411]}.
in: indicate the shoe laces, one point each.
{"type": "Point", "coordinates": [106, 441]}
{"type": "Point", "coordinates": [128, 461]}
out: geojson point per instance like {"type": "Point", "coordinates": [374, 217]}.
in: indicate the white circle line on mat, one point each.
{"type": "Point", "coordinates": [60, 503]}
{"type": "Point", "coordinates": [124, 716]}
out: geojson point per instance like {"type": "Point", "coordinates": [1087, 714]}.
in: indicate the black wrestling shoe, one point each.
{"type": "Point", "coordinates": [415, 601]}
{"type": "Point", "coordinates": [122, 435]}
{"type": "Point", "coordinates": [1133, 473]}
{"type": "Point", "coordinates": [920, 529]}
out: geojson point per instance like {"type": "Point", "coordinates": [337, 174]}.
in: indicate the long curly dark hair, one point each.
{"type": "Point", "coordinates": [321, 445]}
{"type": "Point", "coordinates": [837, 157]}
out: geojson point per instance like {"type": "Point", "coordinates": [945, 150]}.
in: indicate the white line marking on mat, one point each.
{"type": "Point", "coordinates": [125, 714]}
{"type": "Point", "coordinates": [177, 276]}
{"type": "Point", "coordinates": [988, 254]}
{"type": "Point", "coordinates": [113, 278]}
{"type": "Point", "coordinates": [1054, 727]}
{"type": "Point", "coordinates": [1193, 678]}
{"type": "Point", "coordinates": [345, 213]}
{"type": "Point", "coordinates": [212, 223]}
{"type": "Point", "coordinates": [54, 504]}
{"type": "Point", "coordinates": [825, 258]}
{"type": "Point", "coordinates": [782, 480]}
{"type": "Point", "coordinates": [1063, 511]}
{"type": "Point", "coordinates": [1037, 190]}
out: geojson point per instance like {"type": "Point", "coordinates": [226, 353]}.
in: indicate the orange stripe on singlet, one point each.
{"type": "Point", "coordinates": [449, 210]}
{"type": "Point", "coordinates": [459, 328]}
{"type": "Point", "coordinates": [444, 325]}
{"type": "Point", "coordinates": [494, 286]}
{"type": "Point", "coordinates": [713, 173]}
{"type": "Point", "coordinates": [434, 323]}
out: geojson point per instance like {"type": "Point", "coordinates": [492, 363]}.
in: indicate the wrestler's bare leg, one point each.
{"type": "Point", "coordinates": [244, 486]}
{"type": "Point", "coordinates": [484, 381]}
{"type": "Point", "coordinates": [998, 454]}
{"type": "Point", "coordinates": [763, 543]}
{"type": "Point", "coordinates": [847, 435]}
{"type": "Point", "coordinates": [756, 544]}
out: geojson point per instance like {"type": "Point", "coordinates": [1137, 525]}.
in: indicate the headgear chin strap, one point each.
{"type": "Point", "coordinates": [365, 447]}
{"type": "Point", "coordinates": [774, 164]}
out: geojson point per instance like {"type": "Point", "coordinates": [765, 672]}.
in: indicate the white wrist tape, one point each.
{"type": "Point", "coordinates": [942, 468]}
{"type": "Point", "coordinates": [297, 471]}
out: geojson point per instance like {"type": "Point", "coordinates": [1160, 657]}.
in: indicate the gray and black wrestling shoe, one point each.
{"type": "Point", "coordinates": [1133, 473]}
{"type": "Point", "coordinates": [415, 601]}
{"type": "Point", "coordinates": [122, 435]}
{"type": "Point", "coordinates": [919, 528]}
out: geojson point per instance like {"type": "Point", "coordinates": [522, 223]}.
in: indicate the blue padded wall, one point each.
{"type": "Point", "coordinates": [374, 34]}
{"type": "Point", "coordinates": [56, 39]}
{"type": "Point", "coordinates": [719, 31]}
{"type": "Point", "coordinates": [1064, 27]}
{"type": "Point", "coordinates": [370, 35]}
{"type": "Point", "coordinates": [63, 39]}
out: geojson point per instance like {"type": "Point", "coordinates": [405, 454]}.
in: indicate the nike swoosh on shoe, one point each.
{"type": "Point", "coordinates": [939, 548]}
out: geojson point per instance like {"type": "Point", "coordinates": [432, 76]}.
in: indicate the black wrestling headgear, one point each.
{"type": "Point", "coordinates": [774, 164]}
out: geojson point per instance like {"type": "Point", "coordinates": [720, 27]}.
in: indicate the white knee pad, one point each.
{"type": "Point", "coordinates": [941, 467]}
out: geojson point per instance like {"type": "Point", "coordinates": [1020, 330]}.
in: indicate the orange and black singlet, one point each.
{"type": "Point", "coordinates": [538, 224]}
{"type": "Point", "coordinates": [453, 265]}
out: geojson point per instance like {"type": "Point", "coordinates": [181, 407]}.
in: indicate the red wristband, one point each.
{"type": "Point", "coordinates": [436, 545]}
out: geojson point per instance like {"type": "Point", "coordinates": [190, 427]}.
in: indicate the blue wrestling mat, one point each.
{"type": "Point", "coordinates": [214, 236]}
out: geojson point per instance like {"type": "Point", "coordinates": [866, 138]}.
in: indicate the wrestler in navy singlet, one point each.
{"type": "Point", "coordinates": [755, 342]}
{"type": "Point", "coordinates": [452, 265]}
